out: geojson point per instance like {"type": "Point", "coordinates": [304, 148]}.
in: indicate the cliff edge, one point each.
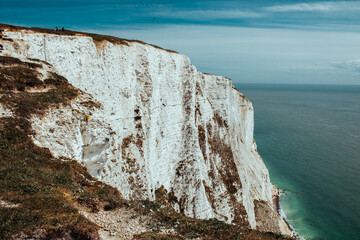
{"type": "Point", "coordinates": [149, 124]}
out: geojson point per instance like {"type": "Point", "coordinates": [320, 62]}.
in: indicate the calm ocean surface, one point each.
{"type": "Point", "coordinates": [309, 138]}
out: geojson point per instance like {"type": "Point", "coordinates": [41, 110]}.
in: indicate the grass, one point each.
{"type": "Point", "coordinates": [19, 75]}
{"type": "Point", "coordinates": [192, 228]}
{"type": "Point", "coordinates": [157, 236]}
{"type": "Point", "coordinates": [24, 104]}
{"type": "Point", "coordinates": [22, 76]}
{"type": "Point", "coordinates": [5, 60]}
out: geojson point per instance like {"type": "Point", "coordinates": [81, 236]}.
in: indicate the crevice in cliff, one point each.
{"type": "Point", "coordinates": [202, 141]}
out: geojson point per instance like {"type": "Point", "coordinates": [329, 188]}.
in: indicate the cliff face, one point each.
{"type": "Point", "coordinates": [161, 130]}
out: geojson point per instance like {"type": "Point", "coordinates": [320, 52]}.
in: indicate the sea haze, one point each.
{"type": "Point", "coordinates": [309, 138]}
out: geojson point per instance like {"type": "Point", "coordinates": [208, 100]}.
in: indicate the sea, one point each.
{"type": "Point", "coordinates": [309, 138]}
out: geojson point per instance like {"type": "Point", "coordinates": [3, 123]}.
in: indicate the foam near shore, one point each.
{"type": "Point", "coordinates": [277, 192]}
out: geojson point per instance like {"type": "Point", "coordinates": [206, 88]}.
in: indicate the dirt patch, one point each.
{"type": "Point", "coordinates": [121, 223]}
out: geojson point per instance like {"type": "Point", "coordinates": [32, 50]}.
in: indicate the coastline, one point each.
{"type": "Point", "coordinates": [277, 192]}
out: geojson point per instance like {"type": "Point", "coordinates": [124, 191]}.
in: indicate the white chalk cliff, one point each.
{"type": "Point", "coordinates": [161, 124]}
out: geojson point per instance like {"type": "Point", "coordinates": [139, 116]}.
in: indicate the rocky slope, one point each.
{"type": "Point", "coordinates": [153, 126]}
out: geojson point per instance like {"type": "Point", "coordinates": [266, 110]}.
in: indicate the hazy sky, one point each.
{"type": "Point", "coordinates": [259, 41]}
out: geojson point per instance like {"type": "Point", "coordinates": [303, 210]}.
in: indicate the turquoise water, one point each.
{"type": "Point", "coordinates": [309, 138]}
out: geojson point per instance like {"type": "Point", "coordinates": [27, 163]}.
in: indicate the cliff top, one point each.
{"type": "Point", "coordinates": [97, 38]}
{"type": "Point", "coordinates": [66, 32]}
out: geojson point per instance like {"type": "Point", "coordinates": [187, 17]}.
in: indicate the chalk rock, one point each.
{"type": "Point", "coordinates": [163, 129]}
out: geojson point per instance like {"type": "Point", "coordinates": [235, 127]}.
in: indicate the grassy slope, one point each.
{"type": "Point", "coordinates": [46, 188]}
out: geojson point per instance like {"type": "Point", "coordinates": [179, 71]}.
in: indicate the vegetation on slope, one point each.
{"type": "Point", "coordinates": [43, 187]}
{"type": "Point", "coordinates": [192, 228]}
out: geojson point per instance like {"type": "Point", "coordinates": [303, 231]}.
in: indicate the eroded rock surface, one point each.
{"type": "Point", "coordinates": [159, 123]}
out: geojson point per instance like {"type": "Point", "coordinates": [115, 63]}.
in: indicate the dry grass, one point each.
{"type": "Point", "coordinates": [16, 77]}
{"type": "Point", "coordinates": [91, 104]}
{"type": "Point", "coordinates": [19, 75]}
{"type": "Point", "coordinates": [4, 60]}
{"type": "Point", "coordinates": [157, 236]}
{"type": "Point", "coordinates": [191, 228]}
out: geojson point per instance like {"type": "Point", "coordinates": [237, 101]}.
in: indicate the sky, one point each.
{"type": "Point", "coordinates": [254, 41]}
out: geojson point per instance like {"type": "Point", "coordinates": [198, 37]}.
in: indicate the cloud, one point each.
{"type": "Point", "coordinates": [258, 54]}
{"type": "Point", "coordinates": [352, 65]}
{"type": "Point", "coordinates": [317, 6]}
{"type": "Point", "coordinates": [208, 14]}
